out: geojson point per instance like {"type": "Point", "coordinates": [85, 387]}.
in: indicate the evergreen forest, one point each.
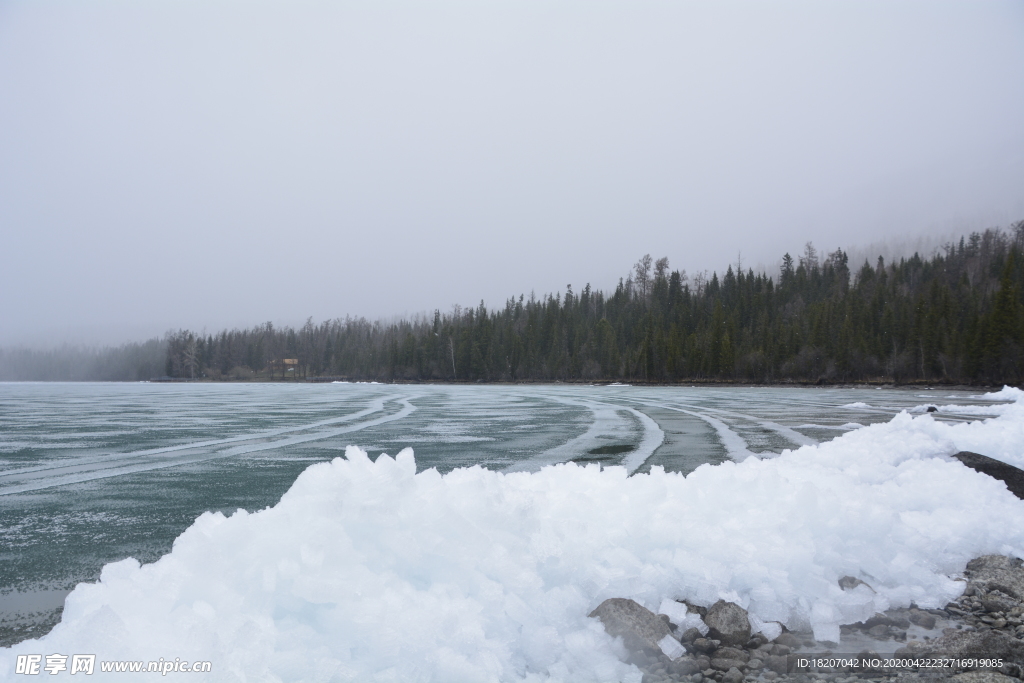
{"type": "Point", "coordinates": [954, 317]}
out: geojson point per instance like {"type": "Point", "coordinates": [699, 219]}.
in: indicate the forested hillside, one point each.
{"type": "Point", "coordinates": [126, 363]}
{"type": "Point", "coordinates": [957, 316]}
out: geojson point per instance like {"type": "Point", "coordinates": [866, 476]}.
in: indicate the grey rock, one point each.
{"type": "Point", "coordinates": [732, 676]}
{"type": "Point", "coordinates": [789, 640]}
{"type": "Point", "coordinates": [1008, 474]}
{"type": "Point", "coordinates": [996, 572]}
{"type": "Point", "coordinates": [778, 649]}
{"type": "Point", "coordinates": [704, 662]}
{"type": "Point", "coordinates": [697, 609]}
{"type": "Point", "coordinates": [997, 603]}
{"type": "Point", "coordinates": [731, 653]}
{"type": "Point", "coordinates": [704, 645]}
{"type": "Point", "coordinates": [641, 660]}
{"type": "Point", "coordinates": [689, 635]}
{"type": "Point", "coordinates": [778, 663]}
{"type": "Point", "coordinates": [879, 631]}
{"type": "Point", "coordinates": [756, 641]}
{"type": "Point", "coordinates": [755, 664]}
{"type": "Point", "coordinates": [848, 583]}
{"type": "Point", "coordinates": [895, 620]}
{"type": "Point", "coordinates": [728, 622]}
{"type": "Point", "coordinates": [982, 677]}
{"type": "Point", "coordinates": [639, 628]}
{"type": "Point", "coordinates": [967, 644]}
{"type": "Point", "coordinates": [685, 666]}
{"type": "Point", "coordinates": [720, 664]}
{"type": "Point", "coordinates": [923, 619]}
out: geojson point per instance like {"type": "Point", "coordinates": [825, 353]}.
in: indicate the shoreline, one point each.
{"type": "Point", "coordinates": [957, 641]}
{"type": "Point", "coordinates": [693, 383]}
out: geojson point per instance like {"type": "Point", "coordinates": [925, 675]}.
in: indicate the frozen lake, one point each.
{"type": "Point", "coordinates": [93, 473]}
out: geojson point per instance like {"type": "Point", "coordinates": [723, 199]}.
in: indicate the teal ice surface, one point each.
{"type": "Point", "coordinates": [92, 473]}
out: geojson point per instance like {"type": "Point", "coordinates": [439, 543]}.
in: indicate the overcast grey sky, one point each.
{"type": "Point", "coordinates": [186, 163]}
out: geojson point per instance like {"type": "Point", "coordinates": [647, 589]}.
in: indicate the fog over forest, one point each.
{"type": "Point", "coordinates": [956, 316]}
{"type": "Point", "coordinates": [219, 164]}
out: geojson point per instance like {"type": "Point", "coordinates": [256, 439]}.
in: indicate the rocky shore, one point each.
{"type": "Point", "coordinates": [985, 622]}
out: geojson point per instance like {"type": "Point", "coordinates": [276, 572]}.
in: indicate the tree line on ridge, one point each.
{"type": "Point", "coordinates": [956, 317]}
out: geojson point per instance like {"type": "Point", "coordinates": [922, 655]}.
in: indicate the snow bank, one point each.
{"type": "Point", "coordinates": [1007, 393]}
{"type": "Point", "coordinates": [371, 572]}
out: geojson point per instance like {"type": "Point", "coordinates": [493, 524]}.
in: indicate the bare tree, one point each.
{"type": "Point", "coordinates": [661, 268]}
{"type": "Point", "coordinates": [451, 349]}
{"type": "Point", "coordinates": [191, 355]}
{"type": "Point", "coordinates": [810, 258]}
{"type": "Point", "coordinates": [642, 270]}
{"type": "Point", "coordinates": [699, 281]}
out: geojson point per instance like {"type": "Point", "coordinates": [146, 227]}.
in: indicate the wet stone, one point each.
{"type": "Point", "coordinates": [756, 641]}
{"type": "Point", "coordinates": [639, 628]}
{"type": "Point", "coordinates": [848, 583]}
{"type": "Point", "coordinates": [732, 676]}
{"type": "Point", "coordinates": [685, 666]}
{"type": "Point", "coordinates": [789, 640]}
{"type": "Point", "coordinates": [923, 619]}
{"type": "Point", "coordinates": [982, 677]}
{"type": "Point", "coordinates": [997, 603]}
{"type": "Point", "coordinates": [778, 663]}
{"type": "Point", "coordinates": [728, 623]}
{"type": "Point", "coordinates": [731, 653]}
{"type": "Point", "coordinates": [690, 635]}
{"type": "Point", "coordinates": [996, 572]}
{"type": "Point", "coordinates": [704, 645]}
{"type": "Point", "coordinates": [720, 664]}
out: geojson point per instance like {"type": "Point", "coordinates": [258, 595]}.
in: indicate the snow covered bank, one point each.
{"type": "Point", "coordinates": [370, 572]}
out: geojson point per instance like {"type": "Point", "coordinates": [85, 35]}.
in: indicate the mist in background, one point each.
{"type": "Point", "coordinates": [212, 164]}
